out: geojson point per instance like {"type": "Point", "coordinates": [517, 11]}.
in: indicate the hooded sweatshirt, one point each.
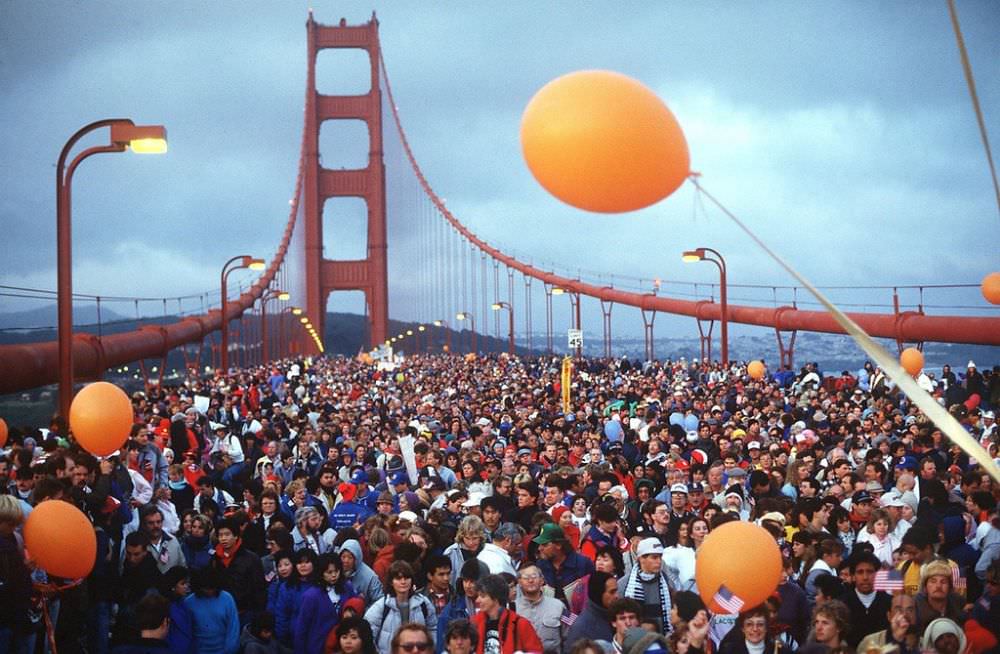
{"type": "Point", "coordinates": [364, 579]}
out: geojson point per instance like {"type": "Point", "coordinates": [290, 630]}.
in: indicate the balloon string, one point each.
{"type": "Point", "coordinates": [937, 414]}
{"type": "Point", "coordinates": [971, 83]}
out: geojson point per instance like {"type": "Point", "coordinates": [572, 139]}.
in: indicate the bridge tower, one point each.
{"type": "Point", "coordinates": [369, 275]}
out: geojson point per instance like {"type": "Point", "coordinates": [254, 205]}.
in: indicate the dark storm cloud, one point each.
{"type": "Point", "coordinates": [833, 128]}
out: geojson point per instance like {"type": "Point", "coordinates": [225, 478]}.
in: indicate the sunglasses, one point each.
{"type": "Point", "coordinates": [415, 647]}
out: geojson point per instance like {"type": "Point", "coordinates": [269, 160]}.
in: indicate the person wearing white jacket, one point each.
{"type": "Point", "coordinates": [399, 606]}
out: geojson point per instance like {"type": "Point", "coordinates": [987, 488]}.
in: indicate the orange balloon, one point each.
{"type": "Point", "coordinates": [602, 141]}
{"type": "Point", "coordinates": [991, 288]}
{"type": "Point", "coordinates": [756, 369]}
{"type": "Point", "coordinates": [912, 360]}
{"type": "Point", "coordinates": [101, 417]}
{"type": "Point", "coordinates": [3, 432]}
{"type": "Point", "coordinates": [61, 539]}
{"type": "Point", "coordinates": [742, 557]}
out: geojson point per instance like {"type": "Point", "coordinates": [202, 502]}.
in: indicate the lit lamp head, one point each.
{"type": "Point", "coordinates": [303, 320]}
{"type": "Point", "coordinates": [409, 332]}
{"type": "Point", "coordinates": [141, 139]}
{"type": "Point", "coordinates": [438, 323]}
{"type": "Point", "coordinates": [421, 328]}
{"type": "Point", "coordinates": [690, 256]}
{"type": "Point", "coordinates": [283, 296]}
{"type": "Point", "coordinates": [462, 315]}
{"type": "Point", "coordinates": [296, 311]}
{"type": "Point", "coordinates": [254, 264]}
{"type": "Point", "coordinates": [496, 306]}
{"type": "Point", "coordinates": [557, 290]}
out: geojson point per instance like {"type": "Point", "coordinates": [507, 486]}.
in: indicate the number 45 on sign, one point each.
{"type": "Point", "coordinates": [575, 337]}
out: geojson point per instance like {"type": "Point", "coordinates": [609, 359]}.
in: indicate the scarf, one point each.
{"type": "Point", "coordinates": [227, 557]}
{"type": "Point", "coordinates": [634, 590]}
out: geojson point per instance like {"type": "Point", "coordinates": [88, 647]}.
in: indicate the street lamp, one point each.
{"type": "Point", "coordinates": [281, 296]}
{"type": "Point", "coordinates": [465, 315]}
{"type": "Point", "coordinates": [142, 139]}
{"type": "Point", "coordinates": [244, 261]}
{"type": "Point", "coordinates": [510, 334]}
{"type": "Point", "coordinates": [447, 333]}
{"type": "Point", "coordinates": [701, 254]}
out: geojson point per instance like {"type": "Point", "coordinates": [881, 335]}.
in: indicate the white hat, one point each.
{"type": "Point", "coordinates": [409, 516]}
{"type": "Point", "coordinates": [753, 445]}
{"type": "Point", "coordinates": [940, 627]}
{"type": "Point", "coordinates": [972, 364]}
{"type": "Point", "coordinates": [475, 498]}
{"type": "Point", "coordinates": [678, 488]}
{"type": "Point", "coordinates": [989, 414]}
{"type": "Point", "coordinates": [649, 546]}
{"type": "Point", "coordinates": [893, 500]}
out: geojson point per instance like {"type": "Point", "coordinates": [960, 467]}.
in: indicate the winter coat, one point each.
{"type": "Point", "coordinates": [286, 608]}
{"type": "Point", "coordinates": [456, 609]}
{"type": "Point", "coordinates": [243, 578]}
{"type": "Point", "coordinates": [593, 623]}
{"type": "Point", "coordinates": [385, 618]}
{"type": "Point", "coordinates": [216, 623]}
{"type": "Point", "coordinates": [317, 617]}
{"type": "Point", "coordinates": [197, 552]}
{"type": "Point", "coordinates": [180, 638]}
{"type": "Point", "coordinates": [516, 633]}
{"type": "Point", "coordinates": [364, 579]}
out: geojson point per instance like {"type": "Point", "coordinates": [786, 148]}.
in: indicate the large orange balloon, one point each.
{"type": "Point", "coordinates": [991, 288]}
{"type": "Point", "coordinates": [912, 360]}
{"type": "Point", "coordinates": [602, 141]}
{"type": "Point", "coordinates": [756, 369]}
{"type": "Point", "coordinates": [60, 539]}
{"type": "Point", "coordinates": [742, 557]}
{"type": "Point", "coordinates": [3, 432]}
{"type": "Point", "coordinates": [100, 418]}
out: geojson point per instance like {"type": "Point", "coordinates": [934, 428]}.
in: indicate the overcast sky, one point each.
{"type": "Point", "coordinates": [842, 132]}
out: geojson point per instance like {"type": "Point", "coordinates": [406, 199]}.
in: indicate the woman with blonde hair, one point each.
{"type": "Point", "coordinates": [469, 541]}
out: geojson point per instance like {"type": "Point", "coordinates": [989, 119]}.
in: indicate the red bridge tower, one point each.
{"type": "Point", "coordinates": [369, 275]}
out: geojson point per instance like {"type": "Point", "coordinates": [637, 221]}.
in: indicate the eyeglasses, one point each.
{"type": "Point", "coordinates": [531, 576]}
{"type": "Point", "coordinates": [755, 624]}
{"type": "Point", "coordinates": [415, 647]}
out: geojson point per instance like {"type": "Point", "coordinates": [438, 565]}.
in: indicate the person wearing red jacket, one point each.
{"type": "Point", "coordinates": [500, 629]}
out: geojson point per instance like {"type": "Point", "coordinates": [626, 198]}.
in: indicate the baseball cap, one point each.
{"type": "Point", "coordinates": [550, 532]}
{"type": "Point", "coordinates": [409, 516]}
{"type": "Point", "coordinates": [649, 546]}
{"type": "Point", "coordinates": [359, 477]}
{"type": "Point", "coordinates": [863, 496]}
{"type": "Point", "coordinates": [753, 445]}
{"type": "Point", "coordinates": [434, 483]}
{"type": "Point", "coordinates": [400, 478]}
{"type": "Point", "coordinates": [679, 488]}
{"type": "Point", "coordinates": [523, 451]}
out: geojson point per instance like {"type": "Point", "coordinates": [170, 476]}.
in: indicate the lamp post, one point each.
{"type": "Point", "coordinates": [510, 332]}
{"type": "Point", "coordinates": [245, 261]}
{"type": "Point", "coordinates": [281, 296]}
{"type": "Point", "coordinates": [702, 254]}
{"type": "Point", "coordinates": [447, 333]}
{"type": "Point", "coordinates": [142, 139]}
{"type": "Point", "coordinates": [465, 315]}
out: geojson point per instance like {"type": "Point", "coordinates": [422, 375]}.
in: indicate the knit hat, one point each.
{"type": "Point", "coordinates": [347, 491]}
{"type": "Point", "coordinates": [637, 640]}
{"type": "Point", "coordinates": [938, 628]}
{"type": "Point", "coordinates": [933, 568]}
{"type": "Point", "coordinates": [356, 604]}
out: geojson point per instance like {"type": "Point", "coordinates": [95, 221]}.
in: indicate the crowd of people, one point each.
{"type": "Point", "coordinates": [463, 505]}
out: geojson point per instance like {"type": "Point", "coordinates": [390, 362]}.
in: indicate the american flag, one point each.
{"type": "Point", "coordinates": [889, 580]}
{"type": "Point", "coordinates": [957, 581]}
{"type": "Point", "coordinates": [568, 619]}
{"type": "Point", "coordinates": [727, 600]}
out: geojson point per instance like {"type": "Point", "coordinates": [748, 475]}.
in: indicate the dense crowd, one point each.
{"type": "Point", "coordinates": [451, 504]}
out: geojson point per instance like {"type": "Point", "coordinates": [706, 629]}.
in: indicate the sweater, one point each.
{"type": "Point", "coordinates": [317, 617]}
{"type": "Point", "coordinates": [216, 623]}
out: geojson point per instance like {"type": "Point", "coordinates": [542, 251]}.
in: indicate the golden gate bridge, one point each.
{"type": "Point", "coordinates": [459, 276]}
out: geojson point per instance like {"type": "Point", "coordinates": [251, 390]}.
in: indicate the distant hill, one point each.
{"type": "Point", "coordinates": [47, 316]}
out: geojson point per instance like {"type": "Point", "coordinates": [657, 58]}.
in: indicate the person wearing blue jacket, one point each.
{"type": "Point", "coordinates": [213, 614]}
{"type": "Point", "coordinates": [175, 585]}
{"type": "Point", "coordinates": [321, 605]}
{"type": "Point", "coordinates": [463, 604]}
{"type": "Point", "coordinates": [291, 592]}
{"type": "Point", "coordinates": [348, 513]}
